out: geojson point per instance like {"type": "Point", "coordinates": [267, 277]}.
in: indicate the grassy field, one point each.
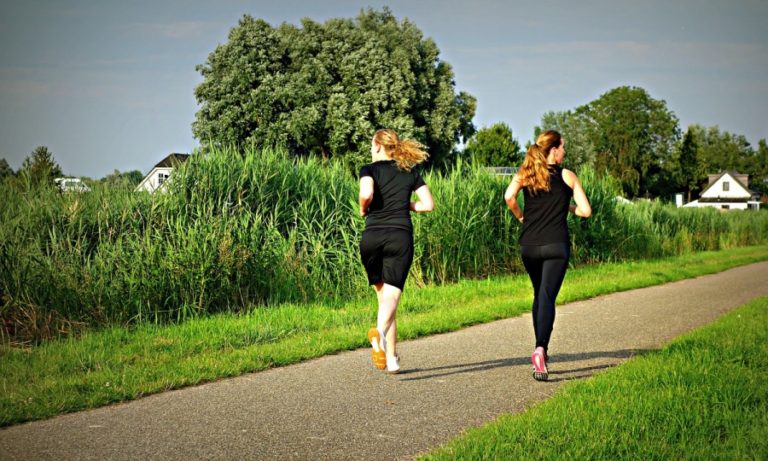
{"type": "Point", "coordinates": [704, 396]}
{"type": "Point", "coordinates": [120, 364]}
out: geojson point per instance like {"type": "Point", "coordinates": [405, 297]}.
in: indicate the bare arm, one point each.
{"type": "Point", "coordinates": [424, 204]}
{"type": "Point", "coordinates": [366, 194]}
{"type": "Point", "coordinates": [510, 196]}
{"type": "Point", "coordinates": [582, 208]}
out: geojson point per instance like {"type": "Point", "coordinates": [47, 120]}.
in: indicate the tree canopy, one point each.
{"type": "Point", "coordinates": [720, 150]}
{"type": "Point", "coordinates": [126, 179]}
{"type": "Point", "coordinates": [689, 169]}
{"type": "Point", "coordinates": [580, 150]}
{"type": "Point", "coordinates": [40, 166]}
{"type": "Point", "coordinates": [323, 89]}
{"type": "Point", "coordinates": [626, 133]}
{"type": "Point", "coordinates": [494, 146]}
{"type": "Point", "coordinates": [634, 136]}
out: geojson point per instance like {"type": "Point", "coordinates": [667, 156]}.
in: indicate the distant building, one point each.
{"type": "Point", "coordinates": [71, 185]}
{"type": "Point", "coordinates": [161, 173]}
{"type": "Point", "coordinates": [502, 170]}
{"type": "Point", "coordinates": [727, 191]}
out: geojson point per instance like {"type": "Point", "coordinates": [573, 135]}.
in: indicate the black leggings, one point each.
{"type": "Point", "coordinates": [546, 266]}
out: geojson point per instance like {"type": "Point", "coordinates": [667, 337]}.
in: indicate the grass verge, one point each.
{"type": "Point", "coordinates": [703, 396]}
{"type": "Point", "coordinates": [121, 364]}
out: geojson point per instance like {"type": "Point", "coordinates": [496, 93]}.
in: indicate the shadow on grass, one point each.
{"type": "Point", "coordinates": [554, 363]}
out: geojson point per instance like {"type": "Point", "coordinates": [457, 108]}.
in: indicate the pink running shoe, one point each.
{"type": "Point", "coordinates": [539, 367]}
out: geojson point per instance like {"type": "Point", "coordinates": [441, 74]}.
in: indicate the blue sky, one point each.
{"type": "Point", "coordinates": [110, 84]}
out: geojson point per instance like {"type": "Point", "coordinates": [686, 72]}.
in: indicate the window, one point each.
{"type": "Point", "coordinates": [726, 186]}
{"type": "Point", "coordinates": [161, 178]}
{"type": "Point", "coordinates": [726, 207]}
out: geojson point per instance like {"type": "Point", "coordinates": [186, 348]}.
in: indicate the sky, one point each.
{"type": "Point", "coordinates": [109, 85]}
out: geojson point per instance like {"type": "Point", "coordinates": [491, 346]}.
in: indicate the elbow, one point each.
{"type": "Point", "coordinates": [586, 212]}
{"type": "Point", "coordinates": [428, 206]}
{"type": "Point", "coordinates": [365, 198]}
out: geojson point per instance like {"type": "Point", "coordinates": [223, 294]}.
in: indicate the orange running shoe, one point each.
{"type": "Point", "coordinates": [378, 355]}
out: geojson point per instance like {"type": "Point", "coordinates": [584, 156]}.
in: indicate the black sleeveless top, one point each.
{"type": "Point", "coordinates": [546, 213]}
{"type": "Point", "coordinates": [392, 189]}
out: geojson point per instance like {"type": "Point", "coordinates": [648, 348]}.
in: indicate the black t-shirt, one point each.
{"type": "Point", "coordinates": [546, 213]}
{"type": "Point", "coordinates": [392, 189]}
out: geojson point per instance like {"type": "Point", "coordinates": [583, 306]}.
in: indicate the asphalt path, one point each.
{"type": "Point", "coordinates": [339, 407]}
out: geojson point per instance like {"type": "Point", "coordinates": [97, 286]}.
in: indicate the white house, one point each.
{"type": "Point", "coordinates": [161, 173]}
{"type": "Point", "coordinates": [502, 170]}
{"type": "Point", "coordinates": [727, 191]}
{"type": "Point", "coordinates": [71, 185]}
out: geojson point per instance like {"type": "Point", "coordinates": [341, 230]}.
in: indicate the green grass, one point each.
{"type": "Point", "coordinates": [239, 228]}
{"type": "Point", "coordinates": [703, 396]}
{"type": "Point", "coordinates": [120, 364]}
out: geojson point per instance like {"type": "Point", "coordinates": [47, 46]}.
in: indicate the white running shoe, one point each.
{"type": "Point", "coordinates": [393, 364]}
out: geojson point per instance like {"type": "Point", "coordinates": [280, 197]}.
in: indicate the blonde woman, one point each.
{"type": "Point", "coordinates": [544, 240]}
{"type": "Point", "coordinates": [386, 247]}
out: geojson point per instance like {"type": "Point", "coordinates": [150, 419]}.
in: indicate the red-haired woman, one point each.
{"type": "Point", "coordinates": [386, 248]}
{"type": "Point", "coordinates": [544, 240]}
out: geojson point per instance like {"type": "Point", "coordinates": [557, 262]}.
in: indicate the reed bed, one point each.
{"type": "Point", "coordinates": [238, 230]}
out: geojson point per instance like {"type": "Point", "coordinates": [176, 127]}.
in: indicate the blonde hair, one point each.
{"type": "Point", "coordinates": [534, 173]}
{"type": "Point", "coordinates": [406, 153]}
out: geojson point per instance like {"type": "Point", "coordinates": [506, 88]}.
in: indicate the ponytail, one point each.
{"type": "Point", "coordinates": [534, 172]}
{"type": "Point", "coordinates": [406, 153]}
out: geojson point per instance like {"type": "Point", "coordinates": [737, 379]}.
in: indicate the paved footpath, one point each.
{"type": "Point", "coordinates": [340, 407]}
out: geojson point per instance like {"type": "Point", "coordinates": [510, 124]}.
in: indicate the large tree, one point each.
{"type": "Point", "coordinates": [689, 169]}
{"type": "Point", "coordinates": [721, 150]}
{"type": "Point", "coordinates": [324, 88]}
{"type": "Point", "coordinates": [573, 126]}
{"type": "Point", "coordinates": [634, 137]}
{"type": "Point", "coordinates": [494, 146]}
{"type": "Point", "coordinates": [40, 167]}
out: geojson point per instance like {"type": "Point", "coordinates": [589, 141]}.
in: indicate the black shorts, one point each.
{"type": "Point", "coordinates": [387, 254]}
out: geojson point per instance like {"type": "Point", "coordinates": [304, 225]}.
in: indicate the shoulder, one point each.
{"type": "Point", "coordinates": [417, 178]}
{"type": "Point", "coordinates": [367, 170]}
{"type": "Point", "coordinates": [569, 177]}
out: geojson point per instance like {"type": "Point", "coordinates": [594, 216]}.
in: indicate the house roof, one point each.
{"type": "Point", "coordinates": [172, 160]}
{"type": "Point", "coordinates": [733, 175]}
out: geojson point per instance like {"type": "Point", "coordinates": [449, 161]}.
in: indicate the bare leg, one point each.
{"type": "Point", "coordinates": [389, 297]}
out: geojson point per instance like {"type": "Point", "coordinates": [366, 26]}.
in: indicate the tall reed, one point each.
{"type": "Point", "coordinates": [236, 230]}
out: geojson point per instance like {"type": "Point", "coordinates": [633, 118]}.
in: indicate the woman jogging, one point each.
{"type": "Point", "coordinates": [386, 248]}
{"type": "Point", "coordinates": [544, 240]}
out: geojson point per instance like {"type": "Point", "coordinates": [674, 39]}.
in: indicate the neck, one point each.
{"type": "Point", "coordinates": [380, 156]}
